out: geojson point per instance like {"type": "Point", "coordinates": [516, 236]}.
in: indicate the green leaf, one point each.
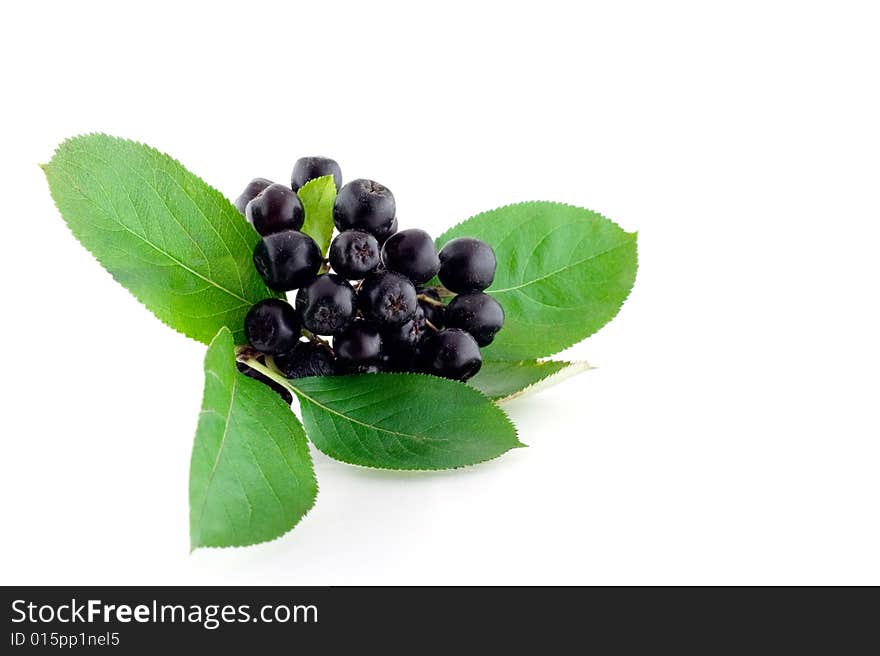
{"type": "Point", "coordinates": [251, 475]}
{"type": "Point", "coordinates": [317, 197]}
{"type": "Point", "coordinates": [563, 273]}
{"type": "Point", "coordinates": [400, 421]}
{"type": "Point", "coordinates": [504, 380]}
{"type": "Point", "coordinates": [176, 243]}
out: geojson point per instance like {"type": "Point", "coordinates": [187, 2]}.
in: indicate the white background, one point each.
{"type": "Point", "coordinates": [730, 433]}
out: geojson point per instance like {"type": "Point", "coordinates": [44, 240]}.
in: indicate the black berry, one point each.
{"type": "Point", "coordinates": [272, 326]}
{"type": "Point", "coordinates": [387, 298]}
{"type": "Point", "coordinates": [412, 253]}
{"type": "Point", "coordinates": [451, 353]}
{"type": "Point", "coordinates": [326, 305]}
{"type": "Point", "coordinates": [467, 265]}
{"type": "Point", "coordinates": [364, 205]}
{"type": "Point", "coordinates": [358, 345]}
{"type": "Point", "coordinates": [407, 335]}
{"type": "Point", "coordinates": [354, 254]}
{"type": "Point", "coordinates": [307, 359]}
{"type": "Point", "coordinates": [400, 344]}
{"type": "Point", "coordinates": [382, 237]}
{"type": "Point", "coordinates": [309, 168]}
{"type": "Point", "coordinates": [274, 209]}
{"type": "Point", "coordinates": [477, 313]}
{"type": "Point", "coordinates": [254, 187]}
{"type": "Point", "coordinates": [287, 260]}
{"type": "Point", "coordinates": [250, 372]}
{"type": "Point", "coordinates": [389, 321]}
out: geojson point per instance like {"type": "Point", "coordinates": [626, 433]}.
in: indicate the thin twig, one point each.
{"type": "Point", "coordinates": [424, 298]}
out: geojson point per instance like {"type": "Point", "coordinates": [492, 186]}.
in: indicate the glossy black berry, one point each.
{"type": "Point", "coordinates": [364, 205]}
{"type": "Point", "coordinates": [467, 265]}
{"type": "Point", "coordinates": [412, 253]}
{"type": "Point", "coordinates": [282, 391]}
{"type": "Point", "coordinates": [408, 334]}
{"type": "Point", "coordinates": [400, 343]}
{"type": "Point", "coordinates": [451, 353]}
{"type": "Point", "coordinates": [382, 237]}
{"type": "Point", "coordinates": [358, 345]}
{"type": "Point", "coordinates": [272, 326]}
{"type": "Point", "coordinates": [254, 187]}
{"type": "Point", "coordinates": [387, 298]}
{"type": "Point", "coordinates": [432, 306]}
{"type": "Point", "coordinates": [307, 359]}
{"type": "Point", "coordinates": [354, 254]}
{"type": "Point", "coordinates": [309, 168]}
{"type": "Point", "coordinates": [274, 209]}
{"type": "Point", "coordinates": [327, 305]}
{"type": "Point", "coordinates": [287, 260]}
{"type": "Point", "coordinates": [477, 313]}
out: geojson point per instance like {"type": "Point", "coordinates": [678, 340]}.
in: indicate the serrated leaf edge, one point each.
{"type": "Point", "coordinates": [533, 202]}
{"type": "Point", "coordinates": [314, 182]}
{"type": "Point", "coordinates": [635, 241]}
{"type": "Point", "coordinates": [308, 457]}
{"type": "Point", "coordinates": [278, 378]}
{"type": "Point", "coordinates": [45, 167]}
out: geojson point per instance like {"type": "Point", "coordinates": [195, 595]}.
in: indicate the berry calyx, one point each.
{"type": "Point", "coordinates": [272, 326]}
{"type": "Point", "coordinates": [411, 253]}
{"type": "Point", "coordinates": [451, 353]}
{"type": "Point", "coordinates": [274, 209]}
{"type": "Point", "coordinates": [326, 305]}
{"type": "Point", "coordinates": [467, 265]}
{"type": "Point", "coordinates": [354, 254]}
{"type": "Point", "coordinates": [309, 168]}
{"type": "Point", "coordinates": [364, 205]}
{"type": "Point", "coordinates": [387, 298]}
{"type": "Point", "coordinates": [477, 313]}
{"type": "Point", "coordinates": [287, 260]}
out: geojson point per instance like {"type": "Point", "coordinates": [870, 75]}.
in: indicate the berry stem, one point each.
{"type": "Point", "coordinates": [243, 353]}
{"type": "Point", "coordinates": [424, 298]}
{"type": "Point", "coordinates": [312, 337]}
{"type": "Point", "coordinates": [431, 326]}
{"type": "Point", "coordinates": [270, 364]}
{"type": "Point", "coordinates": [269, 371]}
{"type": "Point", "coordinates": [444, 293]}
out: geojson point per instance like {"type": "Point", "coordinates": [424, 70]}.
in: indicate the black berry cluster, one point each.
{"type": "Point", "coordinates": [370, 306]}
